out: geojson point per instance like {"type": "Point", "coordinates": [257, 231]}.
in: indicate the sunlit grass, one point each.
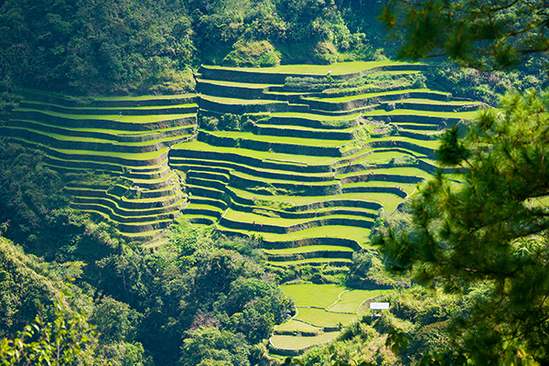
{"type": "Point", "coordinates": [336, 69]}
{"type": "Point", "coordinates": [295, 343]}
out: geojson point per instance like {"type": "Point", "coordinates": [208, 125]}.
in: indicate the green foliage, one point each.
{"type": "Point", "coordinates": [109, 46]}
{"type": "Point", "coordinates": [473, 33]}
{"type": "Point", "coordinates": [68, 340]}
{"type": "Point", "coordinates": [491, 229]}
{"type": "Point", "coordinates": [133, 47]}
{"type": "Point", "coordinates": [210, 346]}
{"type": "Point", "coordinates": [486, 86]}
{"type": "Point", "coordinates": [368, 272]}
{"type": "Point", "coordinates": [252, 54]}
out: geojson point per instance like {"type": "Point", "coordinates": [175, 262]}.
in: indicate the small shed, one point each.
{"type": "Point", "coordinates": [378, 306]}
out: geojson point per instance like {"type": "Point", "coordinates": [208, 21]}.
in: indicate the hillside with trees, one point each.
{"type": "Point", "coordinates": [214, 182]}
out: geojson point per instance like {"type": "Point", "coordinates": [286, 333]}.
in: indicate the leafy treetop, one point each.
{"type": "Point", "coordinates": [486, 35]}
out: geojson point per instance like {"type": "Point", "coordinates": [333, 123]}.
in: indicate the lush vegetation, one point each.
{"type": "Point", "coordinates": [146, 307]}
{"type": "Point", "coordinates": [115, 46]}
{"type": "Point", "coordinates": [477, 240]}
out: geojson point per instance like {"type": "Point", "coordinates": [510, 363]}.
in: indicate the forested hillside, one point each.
{"type": "Point", "coordinates": [188, 182]}
{"type": "Point", "coordinates": [141, 46]}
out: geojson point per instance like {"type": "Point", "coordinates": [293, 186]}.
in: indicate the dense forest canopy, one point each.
{"type": "Point", "coordinates": [121, 46]}
{"type": "Point", "coordinates": [203, 299]}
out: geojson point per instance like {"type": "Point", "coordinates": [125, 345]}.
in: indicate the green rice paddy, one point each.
{"type": "Point", "coordinates": [336, 69]}
{"type": "Point", "coordinates": [297, 326]}
{"type": "Point", "coordinates": [307, 249]}
{"type": "Point", "coordinates": [297, 343]}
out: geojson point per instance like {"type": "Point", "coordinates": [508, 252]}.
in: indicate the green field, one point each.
{"type": "Point", "coordinates": [351, 300]}
{"type": "Point", "coordinates": [313, 295]}
{"type": "Point", "coordinates": [297, 343]}
{"type": "Point", "coordinates": [336, 69]}
{"type": "Point", "coordinates": [297, 326]}
{"type": "Point", "coordinates": [323, 318]}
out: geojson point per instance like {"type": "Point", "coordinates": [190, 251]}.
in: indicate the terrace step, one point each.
{"type": "Point", "coordinates": [134, 160]}
{"type": "Point", "coordinates": [203, 210]}
{"type": "Point", "coordinates": [317, 213]}
{"type": "Point", "coordinates": [313, 262]}
{"type": "Point", "coordinates": [114, 135]}
{"type": "Point", "coordinates": [146, 100]}
{"type": "Point", "coordinates": [113, 204]}
{"type": "Point", "coordinates": [428, 135]}
{"type": "Point", "coordinates": [232, 89]}
{"type": "Point", "coordinates": [222, 205]}
{"type": "Point", "coordinates": [222, 167]}
{"type": "Point", "coordinates": [208, 183]}
{"type": "Point", "coordinates": [136, 111]}
{"type": "Point", "coordinates": [322, 235]}
{"type": "Point", "coordinates": [208, 175]}
{"type": "Point", "coordinates": [116, 217]}
{"type": "Point", "coordinates": [311, 120]}
{"type": "Point", "coordinates": [434, 106]}
{"type": "Point", "coordinates": [199, 151]}
{"type": "Point", "coordinates": [241, 106]}
{"type": "Point", "coordinates": [417, 126]}
{"type": "Point", "coordinates": [204, 192]}
{"type": "Point", "coordinates": [371, 99]}
{"type": "Point", "coordinates": [281, 186]}
{"type": "Point", "coordinates": [305, 252]}
{"type": "Point", "coordinates": [330, 148]}
{"type": "Point", "coordinates": [258, 223]}
{"type": "Point", "coordinates": [303, 132]}
{"type": "Point", "coordinates": [112, 122]}
{"type": "Point", "coordinates": [61, 141]}
{"type": "Point", "coordinates": [279, 75]}
{"type": "Point", "coordinates": [304, 203]}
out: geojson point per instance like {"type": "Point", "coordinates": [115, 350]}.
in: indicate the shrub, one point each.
{"type": "Point", "coordinates": [252, 53]}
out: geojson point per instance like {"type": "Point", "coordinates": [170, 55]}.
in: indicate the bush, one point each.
{"type": "Point", "coordinates": [252, 53]}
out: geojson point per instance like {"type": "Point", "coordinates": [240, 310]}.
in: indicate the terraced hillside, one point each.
{"type": "Point", "coordinates": [282, 156]}
{"type": "Point", "coordinates": [321, 312]}
{"type": "Point", "coordinates": [114, 152]}
{"type": "Point", "coordinates": [301, 156]}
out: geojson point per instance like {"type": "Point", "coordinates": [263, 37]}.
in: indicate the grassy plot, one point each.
{"type": "Point", "coordinates": [114, 117]}
{"type": "Point", "coordinates": [456, 103]}
{"type": "Point", "coordinates": [296, 343]}
{"type": "Point", "coordinates": [397, 170]}
{"type": "Point", "coordinates": [313, 261]}
{"type": "Point", "coordinates": [381, 156]}
{"type": "Point", "coordinates": [236, 101]}
{"type": "Point", "coordinates": [358, 234]}
{"type": "Point", "coordinates": [146, 97]}
{"type": "Point", "coordinates": [308, 294]}
{"type": "Point", "coordinates": [406, 187]}
{"type": "Point", "coordinates": [117, 109]}
{"type": "Point", "coordinates": [413, 112]}
{"type": "Point", "coordinates": [297, 326]}
{"type": "Point", "coordinates": [80, 154]}
{"type": "Point", "coordinates": [236, 84]}
{"type": "Point", "coordinates": [301, 128]}
{"type": "Point", "coordinates": [431, 144]}
{"type": "Point", "coordinates": [315, 117]}
{"type": "Point", "coordinates": [248, 217]}
{"type": "Point", "coordinates": [263, 155]}
{"type": "Point", "coordinates": [309, 248]}
{"type": "Point", "coordinates": [370, 95]}
{"type": "Point", "coordinates": [341, 68]}
{"type": "Point", "coordinates": [110, 131]}
{"type": "Point", "coordinates": [304, 200]}
{"type": "Point", "coordinates": [298, 183]}
{"type": "Point", "coordinates": [279, 139]}
{"type": "Point", "coordinates": [351, 300]}
{"type": "Point", "coordinates": [323, 318]}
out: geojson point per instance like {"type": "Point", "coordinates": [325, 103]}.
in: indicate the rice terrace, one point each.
{"type": "Point", "coordinates": [302, 158]}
